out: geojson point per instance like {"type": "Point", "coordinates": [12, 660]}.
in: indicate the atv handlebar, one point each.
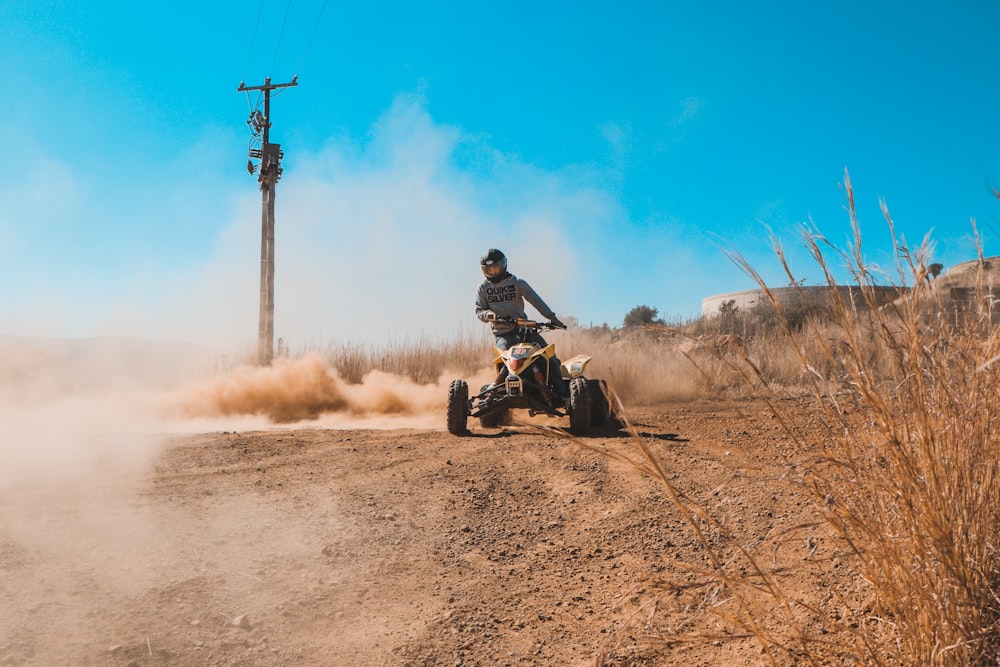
{"type": "Point", "coordinates": [532, 324]}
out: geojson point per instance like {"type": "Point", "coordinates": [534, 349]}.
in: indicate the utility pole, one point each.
{"type": "Point", "coordinates": [270, 156]}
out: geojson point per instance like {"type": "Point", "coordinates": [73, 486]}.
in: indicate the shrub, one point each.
{"type": "Point", "coordinates": [642, 316]}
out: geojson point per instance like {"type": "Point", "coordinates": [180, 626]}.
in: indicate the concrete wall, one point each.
{"type": "Point", "coordinates": [790, 297]}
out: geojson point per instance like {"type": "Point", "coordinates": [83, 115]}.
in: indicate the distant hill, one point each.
{"type": "Point", "coordinates": [967, 290]}
{"type": "Point", "coordinates": [966, 274]}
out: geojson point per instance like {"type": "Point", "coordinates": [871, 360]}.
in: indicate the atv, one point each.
{"type": "Point", "coordinates": [522, 382]}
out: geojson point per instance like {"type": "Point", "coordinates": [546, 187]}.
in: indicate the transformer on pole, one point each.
{"type": "Point", "coordinates": [270, 156]}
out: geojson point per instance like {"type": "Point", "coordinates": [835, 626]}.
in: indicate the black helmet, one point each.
{"type": "Point", "coordinates": [494, 265]}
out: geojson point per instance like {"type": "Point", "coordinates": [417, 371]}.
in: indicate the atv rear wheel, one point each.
{"type": "Point", "coordinates": [458, 407]}
{"type": "Point", "coordinates": [494, 420]}
{"type": "Point", "coordinates": [579, 406]}
{"type": "Point", "coordinates": [600, 408]}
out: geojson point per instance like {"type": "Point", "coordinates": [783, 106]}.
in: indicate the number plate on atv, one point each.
{"type": "Point", "coordinates": [514, 385]}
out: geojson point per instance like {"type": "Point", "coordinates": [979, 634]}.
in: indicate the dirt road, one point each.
{"type": "Point", "coordinates": [379, 547]}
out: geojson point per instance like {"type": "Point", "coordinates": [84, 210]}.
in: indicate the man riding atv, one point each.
{"type": "Point", "coordinates": [529, 376]}
{"type": "Point", "coordinates": [500, 303]}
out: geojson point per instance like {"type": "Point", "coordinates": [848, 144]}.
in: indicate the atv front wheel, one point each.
{"type": "Point", "coordinates": [458, 407]}
{"type": "Point", "coordinates": [579, 406]}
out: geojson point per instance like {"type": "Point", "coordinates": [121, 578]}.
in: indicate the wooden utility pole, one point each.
{"type": "Point", "coordinates": [270, 156]}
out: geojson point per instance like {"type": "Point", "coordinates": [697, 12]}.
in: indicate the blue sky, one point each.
{"type": "Point", "coordinates": [613, 150]}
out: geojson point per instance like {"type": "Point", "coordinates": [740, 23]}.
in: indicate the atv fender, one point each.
{"type": "Point", "coordinates": [574, 367]}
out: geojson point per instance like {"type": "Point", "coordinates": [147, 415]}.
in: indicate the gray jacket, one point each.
{"type": "Point", "coordinates": [506, 299]}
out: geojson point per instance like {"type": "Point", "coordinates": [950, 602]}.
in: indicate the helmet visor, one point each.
{"type": "Point", "coordinates": [493, 269]}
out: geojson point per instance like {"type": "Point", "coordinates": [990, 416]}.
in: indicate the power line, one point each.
{"type": "Point", "coordinates": [309, 43]}
{"type": "Point", "coordinates": [277, 47]}
{"type": "Point", "coordinates": [280, 35]}
{"type": "Point", "coordinates": [253, 39]}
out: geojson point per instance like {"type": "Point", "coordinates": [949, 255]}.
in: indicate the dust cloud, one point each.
{"type": "Point", "coordinates": [309, 391]}
{"type": "Point", "coordinates": [84, 409]}
{"type": "Point", "coordinates": [97, 409]}
{"type": "Point", "coordinates": [84, 425]}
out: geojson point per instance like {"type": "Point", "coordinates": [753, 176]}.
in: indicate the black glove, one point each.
{"type": "Point", "coordinates": [556, 323]}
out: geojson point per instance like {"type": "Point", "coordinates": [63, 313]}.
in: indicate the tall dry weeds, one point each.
{"type": "Point", "coordinates": [646, 367]}
{"type": "Point", "coordinates": [423, 360]}
{"type": "Point", "coordinates": [901, 461]}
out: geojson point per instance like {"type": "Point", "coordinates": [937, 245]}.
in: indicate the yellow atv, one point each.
{"type": "Point", "coordinates": [523, 382]}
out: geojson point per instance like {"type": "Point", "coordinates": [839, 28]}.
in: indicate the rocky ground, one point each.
{"type": "Point", "coordinates": [385, 547]}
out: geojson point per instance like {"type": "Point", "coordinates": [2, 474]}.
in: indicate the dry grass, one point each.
{"type": "Point", "coordinates": [646, 367]}
{"type": "Point", "coordinates": [423, 361]}
{"type": "Point", "coordinates": [901, 462]}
